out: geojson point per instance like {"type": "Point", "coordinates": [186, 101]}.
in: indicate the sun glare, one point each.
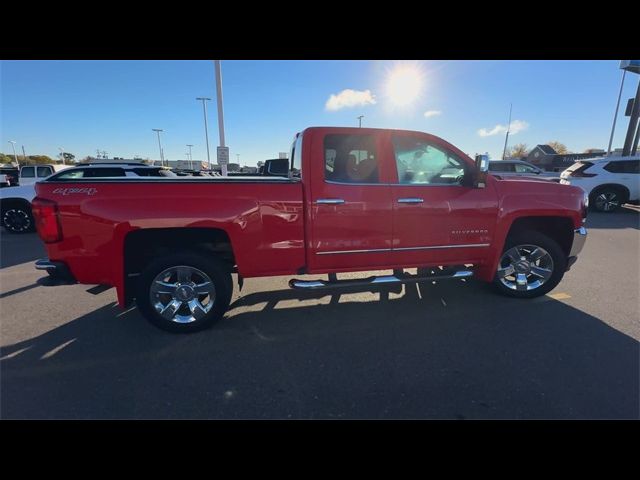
{"type": "Point", "coordinates": [404, 84]}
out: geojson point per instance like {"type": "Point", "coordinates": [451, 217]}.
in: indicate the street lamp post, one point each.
{"type": "Point", "coordinates": [13, 145]}
{"type": "Point", "coordinates": [24, 156]}
{"type": "Point", "coordinates": [360, 117]}
{"type": "Point", "coordinates": [206, 128]}
{"type": "Point", "coordinates": [158, 130]}
{"type": "Point", "coordinates": [615, 115]}
{"type": "Point", "coordinates": [190, 156]}
{"type": "Point", "coordinates": [220, 110]}
{"type": "Point", "coordinates": [62, 155]}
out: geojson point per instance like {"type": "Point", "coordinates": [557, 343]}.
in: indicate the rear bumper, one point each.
{"type": "Point", "coordinates": [579, 239]}
{"type": "Point", "coordinates": [55, 269]}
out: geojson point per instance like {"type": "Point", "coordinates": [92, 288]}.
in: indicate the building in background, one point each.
{"type": "Point", "coordinates": [546, 158]}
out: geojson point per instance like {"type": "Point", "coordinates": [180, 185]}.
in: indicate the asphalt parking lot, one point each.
{"type": "Point", "coordinates": [453, 350]}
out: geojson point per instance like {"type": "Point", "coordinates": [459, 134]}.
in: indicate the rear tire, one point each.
{"type": "Point", "coordinates": [542, 268]}
{"type": "Point", "coordinates": [181, 287]}
{"type": "Point", "coordinates": [17, 219]}
{"type": "Point", "coordinates": [607, 199]}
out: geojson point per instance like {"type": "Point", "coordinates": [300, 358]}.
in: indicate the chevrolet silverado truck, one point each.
{"type": "Point", "coordinates": [353, 200]}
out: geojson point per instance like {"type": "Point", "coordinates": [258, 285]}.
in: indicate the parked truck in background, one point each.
{"type": "Point", "coordinates": [354, 200]}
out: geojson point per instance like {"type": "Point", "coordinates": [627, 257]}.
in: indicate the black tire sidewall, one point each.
{"type": "Point", "coordinates": [557, 255]}
{"type": "Point", "coordinates": [215, 269]}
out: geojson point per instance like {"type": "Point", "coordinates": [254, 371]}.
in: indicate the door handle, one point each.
{"type": "Point", "coordinates": [410, 200]}
{"type": "Point", "coordinates": [329, 201]}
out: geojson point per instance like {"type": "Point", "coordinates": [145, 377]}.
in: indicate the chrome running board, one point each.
{"type": "Point", "coordinates": [376, 281]}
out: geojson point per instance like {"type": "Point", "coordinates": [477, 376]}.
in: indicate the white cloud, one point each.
{"type": "Point", "coordinates": [349, 98]}
{"type": "Point", "coordinates": [432, 113]}
{"type": "Point", "coordinates": [516, 126]}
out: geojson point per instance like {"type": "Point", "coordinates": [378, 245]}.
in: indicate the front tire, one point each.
{"type": "Point", "coordinates": [184, 293]}
{"type": "Point", "coordinates": [531, 265]}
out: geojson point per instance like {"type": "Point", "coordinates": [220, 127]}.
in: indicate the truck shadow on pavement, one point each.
{"type": "Point", "coordinates": [445, 351]}
{"type": "Point", "coordinates": [623, 218]}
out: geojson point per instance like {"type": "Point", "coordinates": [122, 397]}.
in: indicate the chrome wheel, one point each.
{"type": "Point", "coordinates": [182, 294]}
{"type": "Point", "coordinates": [607, 201]}
{"type": "Point", "coordinates": [525, 267]}
{"type": "Point", "coordinates": [16, 220]}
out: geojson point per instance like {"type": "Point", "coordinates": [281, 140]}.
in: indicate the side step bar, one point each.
{"type": "Point", "coordinates": [375, 281]}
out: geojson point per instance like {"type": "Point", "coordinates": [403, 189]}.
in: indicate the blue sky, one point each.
{"type": "Point", "coordinates": [113, 105]}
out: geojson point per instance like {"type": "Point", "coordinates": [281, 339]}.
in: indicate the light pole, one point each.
{"type": "Point", "coordinates": [190, 156]}
{"type": "Point", "coordinates": [13, 145]}
{"type": "Point", "coordinates": [360, 117]}
{"type": "Point", "coordinates": [206, 128]}
{"type": "Point", "coordinates": [24, 156]}
{"type": "Point", "coordinates": [615, 115]}
{"type": "Point", "coordinates": [220, 110]}
{"type": "Point", "coordinates": [158, 130]}
{"type": "Point", "coordinates": [62, 155]}
{"type": "Point", "coordinates": [506, 139]}
{"type": "Point", "coordinates": [238, 158]}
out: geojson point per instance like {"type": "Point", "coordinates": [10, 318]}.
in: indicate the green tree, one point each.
{"type": "Point", "coordinates": [39, 159]}
{"type": "Point", "coordinates": [558, 147]}
{"type": "Point", "coordinates": [519, 150]}
{"type": "Point", "coordinates": [4, 158]}
{"type": "Point", "coordinates": [68, 157]}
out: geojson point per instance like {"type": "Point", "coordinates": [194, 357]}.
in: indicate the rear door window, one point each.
{"type": "Point", "coordinates": [44, 172]}
{"type": "Point", "coordinates": [522, 168]}
{"type": "Point", "coordinates": [27, 172]}
{"type": "Point", "coordinates": [350, 159]}
{"type": "Point", "coordinates": [500, 167]}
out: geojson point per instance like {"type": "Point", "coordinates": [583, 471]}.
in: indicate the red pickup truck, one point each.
{"type": "Point", "coordinates": [355, 199]}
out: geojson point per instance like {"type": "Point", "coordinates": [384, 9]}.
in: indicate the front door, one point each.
{"type": "Point", "coordinates": [350, 203]}
{"type": "Point", "coordinates": [438, 215]}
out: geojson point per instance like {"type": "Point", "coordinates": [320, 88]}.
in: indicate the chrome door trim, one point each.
{"type": "Point", "coordinates": [372, 250]}
{"type": "Point", "coordinates": [329, 201]}
{"type": "Point", "coordinates": [433, 247]}
{"type": "Point", "coordinates": [411, 200]}
{"type": "Point", "coordinates": [401, 249]}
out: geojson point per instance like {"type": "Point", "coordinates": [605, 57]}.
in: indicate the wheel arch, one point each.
{"type": "Point", "coordinates": [144, 245]}
{"type": "Point", "coordinates": [617, 186]}
{"type": "Point", "coordinates": [558, 228]}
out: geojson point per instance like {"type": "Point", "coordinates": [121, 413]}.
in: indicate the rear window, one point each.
{"type": "Point", "coordinates": [581, 166]}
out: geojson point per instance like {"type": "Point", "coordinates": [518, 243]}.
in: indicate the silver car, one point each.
{"type": "Point", "coordinates": [519, 168]}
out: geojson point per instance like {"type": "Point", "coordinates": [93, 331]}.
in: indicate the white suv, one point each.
{"type": "Point", "coordinates": [15, 202]}
{"type": "Point", "coordinates": [609, 181]}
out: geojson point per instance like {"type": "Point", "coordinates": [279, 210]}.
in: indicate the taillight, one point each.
{"type": "Point", "coordinates": [47, 218]}
{"type": "Point", "coordinates": [580, 171]}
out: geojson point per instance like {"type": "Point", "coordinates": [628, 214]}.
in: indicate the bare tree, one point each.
{"type": "Point", "coordinates": [519, 150]}
{"type": "Point", "coordinates": [560, 148]}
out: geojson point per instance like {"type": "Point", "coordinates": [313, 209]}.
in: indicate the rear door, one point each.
{"type": "Point", "coordinates": [350, 204]}
{"type": "Point", "coordinates": [627, 173]}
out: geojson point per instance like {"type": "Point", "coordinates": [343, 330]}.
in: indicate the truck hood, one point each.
{"type": "Point", "coordinates": [540, 197]}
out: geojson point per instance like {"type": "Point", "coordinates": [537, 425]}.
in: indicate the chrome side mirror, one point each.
{"type": "Point", "coordinates": [482, 167]}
